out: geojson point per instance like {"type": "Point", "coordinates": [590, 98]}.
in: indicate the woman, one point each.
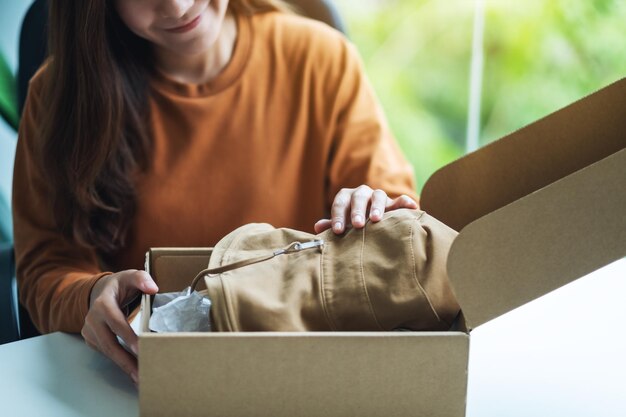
{"type": "Point", "coordinates": [171, 123]}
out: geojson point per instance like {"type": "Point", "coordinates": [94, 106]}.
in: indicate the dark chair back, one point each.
{"type": "Point", "coordinates": [33, 46]}
{"type": "Point", "coordinates": [9, 329]}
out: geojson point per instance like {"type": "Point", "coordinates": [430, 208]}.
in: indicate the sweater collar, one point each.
{"type": "Point", "coordinates": [230, 74]}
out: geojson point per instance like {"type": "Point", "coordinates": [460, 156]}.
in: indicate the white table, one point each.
{"type": "Point", "coordinates": [561, 355]}
{"type": "Point", "coordinates": [58, 375]}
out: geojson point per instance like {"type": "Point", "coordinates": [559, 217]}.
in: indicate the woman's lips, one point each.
{"type": "Point", "coordinates": [186, 27]}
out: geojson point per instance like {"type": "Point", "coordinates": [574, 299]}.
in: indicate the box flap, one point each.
{"type": "Point", "coordinates": [529, 159]}
{"type": "Point", "coordinates": [175, 268]}
{"type": "Point", "coordinates": [542, 241]}
{"type": "Point", "coordinates": [146, 309]}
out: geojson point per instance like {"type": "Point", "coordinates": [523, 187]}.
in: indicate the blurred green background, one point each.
{"type": "Point", "coordinates": [539, 56]}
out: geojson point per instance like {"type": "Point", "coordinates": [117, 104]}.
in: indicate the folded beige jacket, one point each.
{"type": "Point", "coordinates": [388, 275]}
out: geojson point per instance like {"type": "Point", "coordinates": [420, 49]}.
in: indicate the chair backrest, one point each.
{"type": "Point", "coordinates": [33, 46]}
{"type": "Point", "coordinates": [322, 10]}
{"type": "Point", "coordinates": [9, 330]}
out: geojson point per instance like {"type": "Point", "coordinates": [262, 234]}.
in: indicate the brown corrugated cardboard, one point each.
{"type": "Point", "coordinates": [304, 374]}
{"type": "Point", "coordinates": [543, 207]}
{"type": "Point", "coordinates": [560, 233]}
{"type": "Point", "coordinates": [175, 265]}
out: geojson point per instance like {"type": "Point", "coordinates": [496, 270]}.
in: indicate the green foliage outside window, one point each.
{"type": "Point", "coordinates": [8, 94]}
{"type": "Point", "coordinates": [540, 55]}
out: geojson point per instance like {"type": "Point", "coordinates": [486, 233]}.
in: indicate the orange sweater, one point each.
{"type": "Point", "coordinates": [290, 121]}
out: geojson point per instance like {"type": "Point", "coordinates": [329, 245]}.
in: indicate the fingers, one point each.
{"type": "Point", "coordinates": [352, 202]}
{"type": "Point", "coordinates": [322, 225]}
{"type": "Point", "coordinates": [351, 206]}
{"type": "Point", "coordinates": [379, 203]}
{"type": "Point", "coordinates": [358, 205]}
{"type": "Point", "coordinates": [105, 321]}
{"type": "Point", "coordinates": [404, 201]}
{"type": "Point", "coordinates": [141, 281]}
{"type": "Point", "coordinates": [99, 336]}
{"type": "Point", "coordinates": [340, 209]}
{"type": "Point", "coordinates": [90, 337]}
{"type": "Point", "coordinates": [116, 321]}
{"type": "Point", "coordinates": [107, 344]}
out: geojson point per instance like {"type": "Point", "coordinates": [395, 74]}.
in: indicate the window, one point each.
{"type": "Point", "coordinates": [539, 56]}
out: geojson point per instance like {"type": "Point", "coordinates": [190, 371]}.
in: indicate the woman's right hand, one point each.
{"type": "Point", "coordinates": [105, 320]}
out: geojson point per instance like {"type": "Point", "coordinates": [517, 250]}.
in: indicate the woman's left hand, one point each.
{"type": "Point", "coordinates": [352, 206]}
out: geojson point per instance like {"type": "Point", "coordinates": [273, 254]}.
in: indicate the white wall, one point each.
{"type": "Point", "coordinates": [11, 15]}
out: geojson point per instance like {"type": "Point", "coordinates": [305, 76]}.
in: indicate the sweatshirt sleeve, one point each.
{"type": "Point", "coordinates": [363, 149]}
{"type": "Point", "coordinates": [55, 275]}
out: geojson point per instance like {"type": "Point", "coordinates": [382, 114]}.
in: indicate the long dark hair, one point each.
{"type": "Point", "coordinates": [95, 133]}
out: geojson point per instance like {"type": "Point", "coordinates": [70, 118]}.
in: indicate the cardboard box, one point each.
{"type": "Point", "coordinates": [536, 209]}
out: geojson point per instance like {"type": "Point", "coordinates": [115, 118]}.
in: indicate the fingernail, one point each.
{"type": "Point", "coordinates": [375, 213]}
{"type": "Point", "coordinates": [358, 219]}
{"type": "Point", "coordinates": [337, 227]}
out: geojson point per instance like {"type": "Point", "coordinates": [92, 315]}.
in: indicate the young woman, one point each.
{"type": "Point", "coordinates": [171, 123]}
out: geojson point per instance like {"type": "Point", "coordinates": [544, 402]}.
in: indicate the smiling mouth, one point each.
{"type": "Point", "coordinates": [186, 27]}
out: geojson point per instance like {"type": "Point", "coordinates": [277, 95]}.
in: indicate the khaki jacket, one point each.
{"type": "Point", "coordinates": [388, 275]}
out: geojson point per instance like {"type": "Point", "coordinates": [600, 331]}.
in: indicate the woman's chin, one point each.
{"type": "Point", "coordinates": [199, 39]}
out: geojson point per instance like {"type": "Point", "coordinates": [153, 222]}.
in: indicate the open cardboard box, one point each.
{"type": "Point", "coordinates": [537, 209]}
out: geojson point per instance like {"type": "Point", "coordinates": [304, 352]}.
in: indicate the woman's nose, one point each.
{"type": "Point", "coordinates": [175, 8]}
